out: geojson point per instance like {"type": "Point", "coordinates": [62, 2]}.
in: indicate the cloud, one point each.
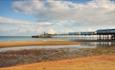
{"type": "Point", "coordinates": [10, 26]}
{"type": "Point", "coordinates": [5, 20]}
{"type": "Point", "coordinates": [63, 15]}
{"type": "Point", "coordinates": [59, 9]}
{"type": "Point", "coordinates": [12, 21]}
{"type": "Point", "coordinates": [93, 13]}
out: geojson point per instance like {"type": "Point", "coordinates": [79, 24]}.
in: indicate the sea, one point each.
{"type": "Point", "coordinates": [29, 38]}
{"type": "Point", "coordinates": [20, 38]}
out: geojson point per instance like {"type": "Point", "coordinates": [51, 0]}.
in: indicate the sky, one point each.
{"type": "Point", "coordinates": [32, 17]}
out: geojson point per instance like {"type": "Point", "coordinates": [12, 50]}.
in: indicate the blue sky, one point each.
{"type": "Point", "coordinates": [7, 11]}
{"type": "Point", "coordinates": [79, 1]}
{"type": "Point", "coordinates": [30, 17]}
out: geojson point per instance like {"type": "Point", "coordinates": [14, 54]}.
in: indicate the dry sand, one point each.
{"type": "Point", "coordinates": [37, 43]}
{"type": "Point", "coordinates": [102, 62]}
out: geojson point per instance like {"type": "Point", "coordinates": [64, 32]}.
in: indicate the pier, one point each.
{"type": "Point", "coordinates": [98, 35]}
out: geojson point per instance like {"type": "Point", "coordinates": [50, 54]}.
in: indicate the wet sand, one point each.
{"type": "Point", "coordinates": [100, 58]}
{"type": "Point", "coordinates": [103, 62]}
{"type": "Point", "coordinates": [31, 56]}
{"type": "Point", "coordinates": [36, 43]}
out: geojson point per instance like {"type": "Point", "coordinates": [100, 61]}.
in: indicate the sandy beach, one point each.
{"type": "Point", "coordinates": [103, 62]}
{"type": "Point", "coordinates": [37, 43]}
{"type": "Point", "coordinates": [99, 58]}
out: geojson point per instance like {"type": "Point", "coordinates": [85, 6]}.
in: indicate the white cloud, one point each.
{"type": "Point", "coordinates": [66, 10]}
{"type": "Point", "coordinates": [54, 9]}
{"type": "Point", "coordinates": [4, 20]}
{"type": "Point", "coordinates": [61, 15]}
{"type": "Point", "coordinates": [10, 26]}
{"type": "Point", "coordinates": [7, 20]}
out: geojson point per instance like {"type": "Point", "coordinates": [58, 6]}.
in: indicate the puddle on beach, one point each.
{"type": "Point", "coordinates": [40, 47]}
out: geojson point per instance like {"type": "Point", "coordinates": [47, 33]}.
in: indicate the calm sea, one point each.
{"type": "Point", "coordinates": [29, 38]}
{"type": "Point", "coordinates": [19, 38]}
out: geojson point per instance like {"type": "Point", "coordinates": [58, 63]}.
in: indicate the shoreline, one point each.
{"type": "Point", "coordinates": [36, 43]}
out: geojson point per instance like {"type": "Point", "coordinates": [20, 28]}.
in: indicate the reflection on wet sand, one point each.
{"type": "Point", "coordinates": [98, 44]}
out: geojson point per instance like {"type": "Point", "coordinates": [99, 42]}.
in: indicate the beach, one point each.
{"type": "Point", "coordinates": [36, 43]}
{"type": "Point", "coordinates": [59, 59]}
{"type": "Point", "coordinates": [103, 62]}
{"type": "Point", "coordinates": [101, 57]}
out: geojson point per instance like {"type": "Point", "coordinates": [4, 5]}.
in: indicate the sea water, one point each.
{"type": "Point", "coordinates": [20, 38]}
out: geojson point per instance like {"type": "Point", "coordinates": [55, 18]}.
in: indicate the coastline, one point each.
{"type": "Point", "coordinates": [36, 43]}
